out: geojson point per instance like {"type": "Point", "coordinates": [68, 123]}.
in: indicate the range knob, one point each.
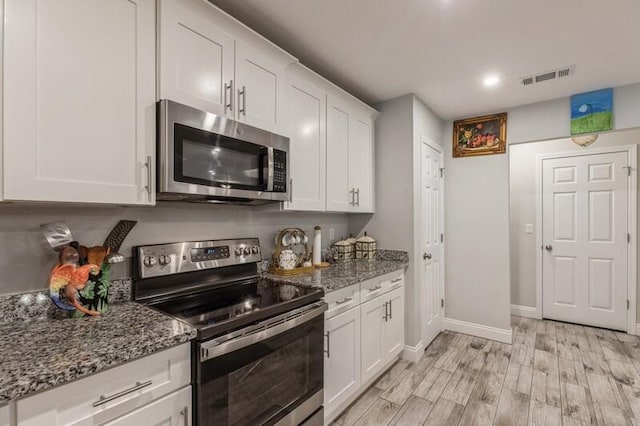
{"type": "Point", "coordinates": [164, 259]}
{"type": "Point", "coordinates": [247, 250]}
{"type": "Point", "coordinates": [150, 261]}
{"type": "Point", "coordinates": [238, 251]}
{"type": "Point", "coordinates": [255, 249]}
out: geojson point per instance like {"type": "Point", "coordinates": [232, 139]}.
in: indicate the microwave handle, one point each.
{"type": "Point", "coordinates": [270, 169]}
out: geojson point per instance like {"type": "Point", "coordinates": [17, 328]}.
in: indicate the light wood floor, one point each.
{"type": "Point", "coordinates": [553, 374]}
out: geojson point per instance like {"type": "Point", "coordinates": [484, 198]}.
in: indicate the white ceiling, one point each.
{"type": "Point", "coordinates": [443, 49]}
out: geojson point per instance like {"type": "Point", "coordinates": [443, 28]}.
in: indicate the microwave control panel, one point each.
{"type": "Point", "coordinates": [279, 171]}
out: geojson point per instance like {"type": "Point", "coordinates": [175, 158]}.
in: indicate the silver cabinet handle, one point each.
{"type": "Point", "coordinates": [147, 164]}
{"type": "Point", "coordinates": [328, 351]}
{"type": "Point", "coordinates": [386, 312]}
{"type": "Point", "coordinates": [345, 300]}
{"type": "Point", "coordinates": [397, 280]}
{"type": "Point", "coordinates": [185, 415]}
{"type": "Point", "coordinates": [376, 288]}
{"type": "Point", "coordinates": [352, 197]}
{"type": "Point", "coordinates": [357, 193]}
{"type": "Point", "coordinates": [104, 399]}
{"type": "Point", "coordinates": [243, 93]}
{"type": "Point", "coordinates": [291, 190]}
{"type": "Point", "coordinates": [390, 309]}
{"type": "Point", "coordinates": [228, 101]}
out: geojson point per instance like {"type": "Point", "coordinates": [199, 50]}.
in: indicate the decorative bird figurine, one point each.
{"type": "Point", "coordinates": [71, 278]}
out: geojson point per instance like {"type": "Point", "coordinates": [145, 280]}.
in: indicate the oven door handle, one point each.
{"type": "Point", "coordinates": [270, 169]}
{"type": "Point", "coordinates": [261, 331]}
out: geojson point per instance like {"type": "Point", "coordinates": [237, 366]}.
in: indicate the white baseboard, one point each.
{"type": "Point", "coordinates": [413, 353]}
{"type": "Point", "coordinates": [524, 311]}
{"type": "Point", "coordinates": [503, 335]}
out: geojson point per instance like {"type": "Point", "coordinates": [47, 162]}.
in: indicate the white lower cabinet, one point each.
{"type": "Point", "coordinates": [373, 348]}
{"type": "Point", "coordinates": [113, 395]}
{"type": "Point", "coordinates": [362, 339]}
{"type": "Point", "coordinates": [393, 327]}
{"type": "Point", "coordinates": [342, 358]}
{"type": "Point", "coordinates": [172, 410]}
{"type": "Point", "coordinates": [4, 416]}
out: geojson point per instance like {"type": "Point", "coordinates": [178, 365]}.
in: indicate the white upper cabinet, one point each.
{"type": "Point", "coordinates": [307, 112]}
{"type": "Point", "coordinates": [260, 88]}
{"type": "Point", "coordinates": [79, 101]}
{"type": "Point", "coordinates": [196, 58]}
{"type": "Point", "coordinates": [212, 62]}
{"type": "Point", "coordinates": [339, 195]}
{"type": "Point", "coordinates": [361, 163]}
{"type": "Point", "coordinates": [349, 157]}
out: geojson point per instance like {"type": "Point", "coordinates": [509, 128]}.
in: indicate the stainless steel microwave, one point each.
{"type": "Point", "coordinates": [204, 157]}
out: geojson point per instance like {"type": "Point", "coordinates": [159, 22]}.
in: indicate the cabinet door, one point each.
{"type": "Point", "coordinates": [79, 100]}
{"type": "Point", "coordinates": [339, 195]}
{"type": "Point", "coordinates": [307, 111]}
{"type": "Point", "coordinates": [342, 359]}
{"type": "Point", "coordinates": [393, 335]}
{"type": "Point", "coordinates": [260, 88]}
{"type": "Point", "coordinates": [196, 58]}
{"type": "Point", "coordinates": [172, 410]}
{"type": "Point", "coordinates": [4, 415]}
{"type": "Point", "coordinates": [373, 321]}
{"type": "Point", "coordinates": [361, 163]}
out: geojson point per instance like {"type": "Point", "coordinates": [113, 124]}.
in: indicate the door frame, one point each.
{"type": "Point", "coordinates": [419, 247]}
{"type": "Point", "coordinates": [632, 219]}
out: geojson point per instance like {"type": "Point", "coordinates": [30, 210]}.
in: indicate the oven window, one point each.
{"type": "Point", "coordinates": [211, 159]}
{"type": "Point", "coordinates": [262, 383]}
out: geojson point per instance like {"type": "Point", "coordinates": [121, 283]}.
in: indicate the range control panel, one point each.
{"type": "Point", "coordinates": [174, 258]}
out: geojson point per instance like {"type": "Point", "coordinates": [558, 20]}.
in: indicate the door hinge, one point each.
{"type": "Point", "coordinates": [628, 237]}
{"type": "Point", "coordinates": [441, 172]}
{"type": "Point", "coordinates": [442, 303]}
{"type": "Point", "coordinates": [442, 238]}
{"type": "Point", "coordinates": [628, 168]}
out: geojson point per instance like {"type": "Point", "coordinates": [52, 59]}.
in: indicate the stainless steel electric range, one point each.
{"type": "Point", "coordinates": [258, 357]}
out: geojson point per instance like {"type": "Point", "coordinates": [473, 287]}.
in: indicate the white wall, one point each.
{"type": "Point", "coordinates": [522, 164]}
{"type": "Point", "coordinates": [26, 260]}
{"type": "Point", "coordinates": [399, 128]}
{"type": "Point", "coordinates": [477, 239]}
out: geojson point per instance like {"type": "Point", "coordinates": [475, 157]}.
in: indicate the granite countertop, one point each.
{"type": "Point", "coordinates": [48, 352]}
{"type": "Point", "coordinates": [340, 275]}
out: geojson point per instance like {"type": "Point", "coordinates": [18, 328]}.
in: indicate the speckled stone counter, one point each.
{"type": "Point", "coordinates": [342, 275]}
{"type": "Point", "coordinates": [47, 352]}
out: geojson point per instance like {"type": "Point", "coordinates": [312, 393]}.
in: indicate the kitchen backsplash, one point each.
{"type": "Point", "coordinates": [26, 259]}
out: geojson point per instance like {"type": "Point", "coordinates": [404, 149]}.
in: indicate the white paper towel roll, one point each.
{"type": "Point", "coordinates": [317, 245]}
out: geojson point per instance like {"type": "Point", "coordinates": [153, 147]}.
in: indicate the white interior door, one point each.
{"type": "Point", "coordinates": [584, 237]}
{"type": "Point", "coordinates": [432, 240]}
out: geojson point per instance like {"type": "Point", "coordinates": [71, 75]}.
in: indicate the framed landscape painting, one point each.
{"type": "Point", "coordinates": [480, 135]}
{"type": "Point", "coordinates": [592, 112]}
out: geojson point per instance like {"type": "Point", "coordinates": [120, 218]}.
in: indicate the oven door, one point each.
{"type": "Point", "coordinates": [268, 373]}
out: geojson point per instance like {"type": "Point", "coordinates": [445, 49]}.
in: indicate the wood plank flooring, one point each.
{"type": "Point", "coordinates": [553, 374]}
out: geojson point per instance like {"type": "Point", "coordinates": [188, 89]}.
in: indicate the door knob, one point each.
{"type": "Point", "coordinates": [548, 247]}
{"type": "Point", "coordinates": [426, 256]}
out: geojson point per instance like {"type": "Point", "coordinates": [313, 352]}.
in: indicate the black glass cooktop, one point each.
{"type": "Point", "coordinates": [220, 310]}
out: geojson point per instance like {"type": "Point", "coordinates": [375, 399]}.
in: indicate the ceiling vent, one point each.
{"type": "Point", "coordinates": [548, 75]}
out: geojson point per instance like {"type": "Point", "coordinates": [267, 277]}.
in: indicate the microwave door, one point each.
{"type": "Point", "coordinates": [210, 159]}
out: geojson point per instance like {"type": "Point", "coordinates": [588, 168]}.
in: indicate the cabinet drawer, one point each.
{"type": "Point", "coordinates": [392, 281]}
{"type": "Point", "coordinates": [342, 300]}
{"type": "Point", "coordinates": [171, 410]}
{"type": "Point", "coordinates": [107, 395]}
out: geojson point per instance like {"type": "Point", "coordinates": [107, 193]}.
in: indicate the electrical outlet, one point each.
{"type": "Point", "coordinates": [332, 234]}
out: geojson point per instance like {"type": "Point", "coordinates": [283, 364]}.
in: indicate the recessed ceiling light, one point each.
{"type": "Point", "coordinates": [491, 80]}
